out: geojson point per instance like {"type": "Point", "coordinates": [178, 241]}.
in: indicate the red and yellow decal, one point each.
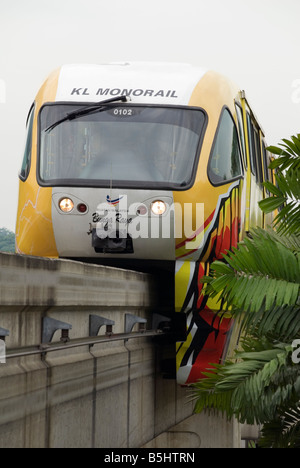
{"type": "Point", "coordinates": [208, 328]}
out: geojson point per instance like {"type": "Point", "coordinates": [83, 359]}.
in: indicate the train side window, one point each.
{"type": "Point", "coordinates": [28, 145]}
{"type": "Point", "coordinates": [225, 158]}
{"type": "Point", "coordinates": [242, 133]}
{"type": "Point", "coordinates": [265, 161]}
{"type": "Point", "coordinates": [259, 177]}
{"type": "Point", "coordinates": [251, 145]}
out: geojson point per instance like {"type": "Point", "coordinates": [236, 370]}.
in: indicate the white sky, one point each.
{"type": "Point", "coordinates": [254, 42]}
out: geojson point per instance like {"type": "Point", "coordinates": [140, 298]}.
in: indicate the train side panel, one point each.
{"type": "Point", "coordinates": [34, 229]}
{"type": "Point", "coordinates": [221, 227]}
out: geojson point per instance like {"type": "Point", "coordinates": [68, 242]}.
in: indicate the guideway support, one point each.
{"type": "Point", "coordinates": [70, 377]}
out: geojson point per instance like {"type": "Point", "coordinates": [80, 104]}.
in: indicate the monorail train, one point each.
{"type": "Point", "coordinates": [136, 164]}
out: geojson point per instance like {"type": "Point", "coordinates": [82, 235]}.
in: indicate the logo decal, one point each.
{"type": "Point", "coordinates": [113, 202]}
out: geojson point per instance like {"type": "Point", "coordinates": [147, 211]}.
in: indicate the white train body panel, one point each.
{"type": "Point", "coordinates": [73, 230]}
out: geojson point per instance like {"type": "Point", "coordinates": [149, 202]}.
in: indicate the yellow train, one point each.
{"type": "Point", "coordinates": [145, 165]}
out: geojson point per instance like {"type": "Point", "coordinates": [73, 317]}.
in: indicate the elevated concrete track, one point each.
{"type": "Point", "coordinates": [80, 367]}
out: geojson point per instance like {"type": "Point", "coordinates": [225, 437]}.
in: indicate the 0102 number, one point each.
{"type": "Point", "coordinates": [123, 112]}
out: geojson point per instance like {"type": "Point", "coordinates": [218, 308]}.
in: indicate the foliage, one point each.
{"type": "Point", "coordinates": [284, 430]}
{"type": "Point", "coordinates": [260, 282]}
{"type": "Point", "coordinates": [7, 240]}
{"type": "Point", "coordinates": [287, 189]}
{"type": "Point", "coordinates": [253, 387]}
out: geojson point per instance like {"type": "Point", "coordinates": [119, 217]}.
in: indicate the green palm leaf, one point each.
{"type": "Point", "coordinates": [251, 389]}
{"type": "Point", "coordinates": [286, 192]}
{"type": "Point", "coordinates": [283, 431]}
{"type": "Point", "coordinates": [263, 273]}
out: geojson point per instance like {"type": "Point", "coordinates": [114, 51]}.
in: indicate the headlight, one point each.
{"type": "Point", "coordinates": [66, 205]}
{"type": "Point", "coordinates": [158, 207]}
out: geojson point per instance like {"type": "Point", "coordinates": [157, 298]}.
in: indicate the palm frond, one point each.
{"type": "Point", "coordinates": [291, 241]}
{"type": "Point", "coordinates": [283, 431]}
{"type": "Point", "coordinates": [251, 389]}
{"type": "Point", "coordinates": [262, 274]}
{"type": "Point", "coordinates": [208, 397]}
{"type": "Point", "coordinates": [288, 152]}
{"type": "Point", "coordinates": [283, 322]}
{"type": "Point", "coordinates": [286, 192]}
{"type": "Point", "coordinates": [286, 196]}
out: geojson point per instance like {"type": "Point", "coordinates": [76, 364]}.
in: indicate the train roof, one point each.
{"type": "Point", "coordinates": [151, 83]}
{"type": "Point", "coordinates": [142, 82]}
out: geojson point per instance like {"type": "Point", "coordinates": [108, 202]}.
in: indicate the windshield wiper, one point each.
{"type": "Point", "coordinates": [86, 110]}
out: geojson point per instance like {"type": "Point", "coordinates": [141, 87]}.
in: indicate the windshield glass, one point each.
{"type": "Point", "coordinates": [123, 145]}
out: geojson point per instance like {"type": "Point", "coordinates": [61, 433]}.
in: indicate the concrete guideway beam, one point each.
{"type": "Point", "coordinates": [108, 395]}
{"type": "Point", "coordinates": [52, 282]}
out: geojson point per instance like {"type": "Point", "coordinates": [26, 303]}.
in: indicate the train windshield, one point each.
{"type": "Point", "coordinates": [124, 145]}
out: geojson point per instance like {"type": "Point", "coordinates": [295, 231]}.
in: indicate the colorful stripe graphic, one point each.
{"type": "Point", "coordinates": [113, 202]}
{"type": "Point", "coordinates": [208, 327]}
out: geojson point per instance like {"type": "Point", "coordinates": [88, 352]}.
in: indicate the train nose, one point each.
{"type": "Point", "coordinates": [128, 224]}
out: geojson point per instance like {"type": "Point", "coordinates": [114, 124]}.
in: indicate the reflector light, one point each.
{"type": "Point", "coordinates": [82, 208]}
{"type": "Point", "coordinates": [66, 205]}
{"type": "Point", "coordinates": [158, 207]}
{"type": "Point", "coordinates": [142, 210]}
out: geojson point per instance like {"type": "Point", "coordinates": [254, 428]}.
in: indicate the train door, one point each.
{"type": "Point", "coordinates": [255, 176]}
{"type": "Point", "coordinates": [246, 182]}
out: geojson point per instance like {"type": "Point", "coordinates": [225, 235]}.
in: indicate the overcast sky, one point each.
{"type": "Point", "coordinates": [254, 42]}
